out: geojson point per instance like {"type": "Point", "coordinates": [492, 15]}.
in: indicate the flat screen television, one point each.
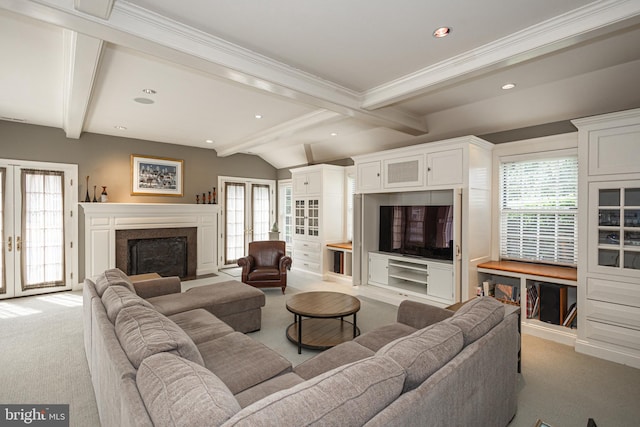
{"type": "Point", "coordinates": [423, 231]}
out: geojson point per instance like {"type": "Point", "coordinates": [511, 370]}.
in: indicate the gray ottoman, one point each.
{"type": "Point", "coordinates": [235, 303]}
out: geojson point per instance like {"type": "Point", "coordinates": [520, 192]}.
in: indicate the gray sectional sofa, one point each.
{"type": "Point", "coordinates": [188, 368]}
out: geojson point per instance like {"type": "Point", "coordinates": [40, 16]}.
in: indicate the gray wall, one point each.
{"type": "Point", "coordinates": [106, 159]}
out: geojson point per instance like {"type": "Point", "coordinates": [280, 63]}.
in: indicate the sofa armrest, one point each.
{"type": "Point", "coordinates": [156, 287]}
{"type": "Point", "coordinates": [285, 264]}
{"type": "Point", "coordinates": [419, 315]}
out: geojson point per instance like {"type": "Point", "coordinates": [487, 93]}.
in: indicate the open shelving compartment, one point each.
{"type": "Point", "coordinates": [560, 291]}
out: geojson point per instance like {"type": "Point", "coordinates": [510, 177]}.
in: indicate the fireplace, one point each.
{"type": "Point", "coordinates": [166, 251]}
{"type": "Point", "coordinates": [102, 221]}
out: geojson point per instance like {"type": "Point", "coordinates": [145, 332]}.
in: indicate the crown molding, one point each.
{"type": "Point", "coordinates": [556, 33]}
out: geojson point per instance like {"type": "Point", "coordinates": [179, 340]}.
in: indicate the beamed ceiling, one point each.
{"type": "Point", "coordinates": [330, 79]}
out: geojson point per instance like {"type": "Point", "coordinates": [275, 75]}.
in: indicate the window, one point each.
{"type": "Point", "coordinates": [538, 209]}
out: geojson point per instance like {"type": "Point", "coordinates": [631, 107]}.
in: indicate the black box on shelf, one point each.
{"type": "Point", "coordinates": [553, 303]}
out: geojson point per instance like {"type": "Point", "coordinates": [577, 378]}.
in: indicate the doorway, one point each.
{"type": "Point", "coordinates": [38, 227]}
{"type": "Point", "coordinates": [247, 212]}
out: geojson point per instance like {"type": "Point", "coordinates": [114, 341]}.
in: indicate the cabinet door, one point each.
{"type": "Point", "coordinates": [368, 177]}
{"type": "Point", "coordinates": [299, 181]}
{"type": "Point", "coordinates": [614, 228]}
{"type": "Point", "coordinates": [313, 217]}
{"type": "Point", "coordinates": [614, 150]}
{"type": "Point", "coordinates": [440, 281]}
{"type": "Point", "coordinates": [444, 167]}
{"type": "Point", "coordinates": [378, 269]}
{"type": "Point", "coordinates": [299, 217]}
{"type": "Point", "coordinates": [314, 183]}
{"type": "Point", "coordinates": [307, 184]}
{"type": "Point", "coordinates": [404, 172]}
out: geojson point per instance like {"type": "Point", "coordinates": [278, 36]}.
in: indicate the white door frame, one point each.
{"type": "Point", "coordinates": [12, 207]}
{"type": "Point", "coordinates": [222, 180]}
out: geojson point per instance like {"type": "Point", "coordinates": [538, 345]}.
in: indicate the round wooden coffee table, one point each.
{"type": "Point", "coordinates": [325, 326]}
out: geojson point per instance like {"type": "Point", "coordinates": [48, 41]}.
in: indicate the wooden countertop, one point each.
{"type": "Point", "coordinates": [556, 272]}
{"type": "Point", "coordinates": [345, 245]}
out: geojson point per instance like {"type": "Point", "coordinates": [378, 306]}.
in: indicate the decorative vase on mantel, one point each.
{"type": "Point", "coordinates": [103, 196]}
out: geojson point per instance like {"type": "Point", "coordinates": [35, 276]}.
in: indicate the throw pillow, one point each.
{"type": "Point", "coordinates": [143, 332]}
{"type": "Point", "coordinates": [477, 317]}
{"type": "Point", "coordinates": [424, 352]}
{"type": "Point", "coordinates": [112, 277]}
{"type": "Point", "coordinates": [115, 298]}
{"type": "Point", "coordinates": [178, 392]}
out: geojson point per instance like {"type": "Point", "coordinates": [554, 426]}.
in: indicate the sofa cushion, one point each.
{"type": "Point", "coordinates": [112, 277]}
{"type": "Point", "coordinates": [425, 351]}
{"type": "Point", "coordinates": [339, 355]}
{"type": "Point", "coordinates": [348, 395]}
{"type": "Point", "coordinates": [477, 317]}
{"type": "Point", "coordinates": [264, 273]}
{"type": "Point", "coordinates": [143, 332]}
{"type": "Point", "coordinates": [241, 362]}
{"type": "Point", "coordinates": [200, 325]}
{"type": "Point", "coordinates": [178, 392]}
{"type": "Point", "coordinates": [378, 338]}
{"type": "Point", "coordinates": [115, 298]}
{"type": "Point", "coordinates": [260, 391]}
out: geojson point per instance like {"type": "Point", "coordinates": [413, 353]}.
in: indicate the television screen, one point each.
{"type": "Point", "coordinates": [425, 231]}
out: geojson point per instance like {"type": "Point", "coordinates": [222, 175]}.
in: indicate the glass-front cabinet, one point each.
{"type": "Point", "coordinates": [307, 217]}
{"type": "Point", "coordinates": [617, 224]}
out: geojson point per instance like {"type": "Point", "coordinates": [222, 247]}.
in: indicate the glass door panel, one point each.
{"type": "Point", "coordinates": [313, 216]}
{"type": "Point", "coordinates": [260, 211]}
{"type": "Point", "coordinates": [234, 222]}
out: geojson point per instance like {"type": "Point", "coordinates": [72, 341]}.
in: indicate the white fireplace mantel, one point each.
{"type": "Point", "coordinates": [101, 220]}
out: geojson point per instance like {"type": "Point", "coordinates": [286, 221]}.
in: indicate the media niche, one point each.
{"type": "Point", "coordinates": [423, 231]}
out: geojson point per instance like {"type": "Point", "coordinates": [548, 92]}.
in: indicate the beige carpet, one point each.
{"type": "Point", "coordinates": [42, 361]}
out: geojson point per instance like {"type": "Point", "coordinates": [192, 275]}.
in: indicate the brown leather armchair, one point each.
{"type": "Point", "coordinates": [266, 264]}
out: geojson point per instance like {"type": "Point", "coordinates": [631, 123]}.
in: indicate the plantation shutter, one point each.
{"type": "Point", "coordinates": [538, 210]}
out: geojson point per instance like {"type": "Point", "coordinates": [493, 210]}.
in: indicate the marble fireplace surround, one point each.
{"type": "Point", "coordinates": [101, 220]}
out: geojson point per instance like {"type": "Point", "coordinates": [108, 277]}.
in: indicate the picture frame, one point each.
{"type": "Point", "coordinates": [156, 176]}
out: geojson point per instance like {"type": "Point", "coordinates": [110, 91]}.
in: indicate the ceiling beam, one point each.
{"type": "Point", "coordinates": [554, 34]}
{"type": "Point", "coordinates": [82, 55]}
{"type": "Point", "coordinates": [269, 136]}
{"type": "Point", "coordinates": [139, 29]}
{"type": "Point", "coordinates": [97, 8]}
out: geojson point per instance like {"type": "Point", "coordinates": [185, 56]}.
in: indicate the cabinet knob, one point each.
{"type": "Point", "coordinates": [378, 174]}
{"type": "Point", "coordinates": [429, 169]}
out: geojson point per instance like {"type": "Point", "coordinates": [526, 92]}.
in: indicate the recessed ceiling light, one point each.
{"type": "Point", "coordinates": [149, 91]}
{"type": "Point", "coordinates": [209, 141]}
{"type": "Point", "coordinates": [120, 127]}
{"type": "Point", "coordinates": [508, 86]}
{"type": "Point", "coordinates": [334, 134]}
{"type": "Point", "coordinates": [442, 32]}
{"type": "Point", "coordinates": [258, 116]}
{"type": "Point", "coordinates": [144, 100]}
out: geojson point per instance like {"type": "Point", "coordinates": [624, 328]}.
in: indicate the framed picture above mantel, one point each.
{"type": "Point", "coordinates": [156, 176]}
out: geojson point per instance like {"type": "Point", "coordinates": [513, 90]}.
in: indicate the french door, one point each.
{"type": "Point", "coordinates": [247, 212]}
{"type": "Point", "coordinates": [38, 227]}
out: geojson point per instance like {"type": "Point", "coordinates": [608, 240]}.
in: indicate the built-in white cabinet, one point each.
{"type": "Point", "coordinates": [369, 176]}
{"type": "Point", "coordinates": [318, 206]}
{"type": "Point", "coordinates": [419, 169]}
{"type": "Point", "coordinates": [404, 172]}
{"type": "Point", "coordinates": [417, 277]}
{"type": "Point", "coordinates": [445, 168]}
{"type": "Point", "coordinates": [609, 229]}
{"type": "Point", "coordinates": [454, 172]}
{"type": "Point", "coordinates": [307, 183]}
{"type": "Point", "coordinates": [378, 268]}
